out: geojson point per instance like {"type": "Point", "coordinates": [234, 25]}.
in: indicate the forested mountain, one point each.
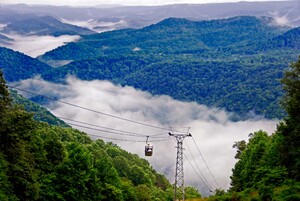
{"type": "Point", "coordinates": [175, 36]}
{"type": "Point", "coordinates": [233, 63]}
{"type": "Point", "coordinates": [43, 25]}
{"type": "Point", "coordinates": [39, 113]}
{"type": "Point", "coordinates": [18, 66]}
{"type": "Point", "coordinates": [43, 162]}
{"type": "Point", "coordinates": [268, 166]}
{"type": "Point", "coordinates": [101, 18]}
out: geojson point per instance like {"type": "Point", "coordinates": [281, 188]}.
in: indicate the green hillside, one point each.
{"type": "Point", "coordinates": [39, 113]}
{"type": "Point", "coordinates": [43, 162]}
{"type": "Point", "coordinates": [174, 36]}
{"type": "Point", "coordinates": [233, 63]}
{"type": "Point", "coordinates": [267, 166]}
{"type": "Point", "coordinates": [18, 66]}
{"type": "Point", "coordinates": [43, 25]}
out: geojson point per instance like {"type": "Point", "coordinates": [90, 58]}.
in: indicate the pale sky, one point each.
{"type": "Point", "coordinates": [121, 2]}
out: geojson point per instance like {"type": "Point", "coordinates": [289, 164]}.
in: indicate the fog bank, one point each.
{"type": "Point", "coordinates": [211, 128]}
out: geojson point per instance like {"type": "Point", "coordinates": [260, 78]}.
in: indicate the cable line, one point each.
{"type": "Point", "coordinates": [91, 110]}
{"type": "Point", "coordinates": [116, 133]}
{"type": "Point", "coordinates": [197, 173]}
{"type": "Point", "coordinates": [207, 183]}
{"type": "Point", "coordinates": [206, 164]}
{"type": "Point", "coordinates": [126, 140]}
{"type": "Point", "coordinates": [111, 138]}
{"type": "Point", "coordinates": [112, 132]}
{"type": "Point", "coordinates": [132, 133]}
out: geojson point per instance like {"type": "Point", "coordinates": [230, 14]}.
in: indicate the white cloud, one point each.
{"type": "Point", "coordinates": [211, 128]}
{"type": "Point", "coordinates": [96, 25]}
{"type": "Point", "coordinates": [2, 26]}
{"type": "Point", "coordinates": [285, 19]}
{"type": "Point", "coordinates": [136, 49]}
{"type": "Point", "coordinates": [37, 45]}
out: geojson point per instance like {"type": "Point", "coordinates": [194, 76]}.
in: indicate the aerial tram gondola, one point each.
{"type": "Point", "coordinates": [148, 148]}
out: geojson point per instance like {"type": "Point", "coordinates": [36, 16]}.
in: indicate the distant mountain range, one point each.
{"type": "Point", "coordinates": [4, 39]}
{"type": "Point", "coordinates": [119, 17]}
{"type": "Point", "coordinates": [43, 25]}
{"type": "Point", "coordinates": [233, 63]}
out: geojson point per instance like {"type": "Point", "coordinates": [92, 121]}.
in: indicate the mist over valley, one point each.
{"type": "Point", "coordinates": [140, 72]}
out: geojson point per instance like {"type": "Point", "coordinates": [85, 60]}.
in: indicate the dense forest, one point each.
{"type": "Point", "coordinates": [233, 63]}
{"type": "Point", "coordinates": [18, 66]}
{"type": "Point", "coordinates": [268, 166]}
{"type": "Point", "coordinates": [45, 162]}
{"type": "Point", "coordinates": [39, 161]}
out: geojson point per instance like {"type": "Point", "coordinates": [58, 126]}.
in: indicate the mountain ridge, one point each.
{"type": "Point", "coordinates": [44, 25]}
{"type": "Point", "coordinates": [235, 66]}
{"type": "Point", "coordinates": [17, 66]}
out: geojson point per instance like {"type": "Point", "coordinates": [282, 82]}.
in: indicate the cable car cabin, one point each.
{"type": "Point", "coordinates": [148, 150]}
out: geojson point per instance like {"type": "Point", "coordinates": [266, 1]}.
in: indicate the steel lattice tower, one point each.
{"type": "Point", "coordinates": [179, 174]}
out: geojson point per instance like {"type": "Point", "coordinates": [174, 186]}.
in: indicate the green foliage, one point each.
{"type": "Point", "coordinates": [223, 63]}
{"type": "Point", "coordinates": [269, 165]}
{"type": "Point", "coordinates": [4, 95]}
{"type": "Point", "coordinates": [44, 25]}
{"type": "Point", "coordinates": [143, 192]}
{"type": "Point", "coordinates": [234, 63]}
{"type": "Point", "coordinates": [290, 128]}
{"type": "Point", "coordinates": [191, 192]}
{"type": "Point", "coordinates": [17, 66]}
{"type": "Point", "coordinates": [250, 160]}
{"type": "Point", "coordinates": [43, 162]}
{"type": "Point", "coordinates": [40, 113]}
{"type": "Point", "coordinates": [5, 185]}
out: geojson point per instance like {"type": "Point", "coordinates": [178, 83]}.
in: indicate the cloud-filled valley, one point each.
{"type": "Point", "coordinates": [211, 128]}
{"type": "Point", "coordinates": [34, 46]}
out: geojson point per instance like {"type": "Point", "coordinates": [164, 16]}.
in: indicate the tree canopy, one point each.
{"type": "Point", "coordinates": [43, 162]}
{"type": "Point", "coordinates": [268, 165]}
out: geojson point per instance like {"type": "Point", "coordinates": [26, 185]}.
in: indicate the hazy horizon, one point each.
{"type": "Point", "coordinates": [89, 3]}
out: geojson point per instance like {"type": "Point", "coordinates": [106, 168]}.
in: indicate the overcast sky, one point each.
{"type": "Point", "coordinates": [122, 2]}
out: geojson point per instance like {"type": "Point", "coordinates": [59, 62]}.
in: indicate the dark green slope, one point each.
{"type": "Point", "coordinates": [18, 66]}
{"type": "Point", "coordinates": [172, 36]}
{"type": "Point", "coordinates": [290, 39]}
{"type": "Point", "coordinates": [234, 63]}
{"type": "Point", "coordinates": [44, 25]}
{"type": "Point", "coordinates": [40, 113]}
{"type": "Point", "coordinates": [43, 162]}
{"type": "Point", "coordinates": [238, 88]}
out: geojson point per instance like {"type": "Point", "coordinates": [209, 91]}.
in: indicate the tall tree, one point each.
{"type": "Point", "coordinates": [290, 128]}
{"type": "Point", "coordinates": [4, 95]}
{"type": "Point", "coordinates": [16, 126]}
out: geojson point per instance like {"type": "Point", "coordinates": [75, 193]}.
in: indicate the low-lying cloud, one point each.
{"type": "Point", "coordinates": [211, 128]}
{"type": "Point", "coordinates": [289, 18]}
{"type": "Point", "coordinates": [37, 45]}
{"type": "Point", "coordinates": [98, 25]}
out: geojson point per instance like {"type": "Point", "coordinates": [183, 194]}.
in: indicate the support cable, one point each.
{"type": "Point", "coordinates": [94, 125]}
{"type": "Point", "coordinates": [204, 179]}
{"type": "Point", "coordinates": [206, 164]}
{"type": "Point", "coordinates": [210, 189]}
{"type": "Point", "coordinates": [112, 132]}
{"type": "Point", "coordinates": [126, 140]}
{"type": "Point", "coordinates": [91, 110]}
